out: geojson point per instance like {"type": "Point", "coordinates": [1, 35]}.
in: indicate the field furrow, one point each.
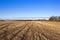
{"type": "Point", "coordinates": [30, 30]}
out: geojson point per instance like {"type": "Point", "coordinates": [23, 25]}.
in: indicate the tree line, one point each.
{"type": "Point", "coordinates": [54, 18]}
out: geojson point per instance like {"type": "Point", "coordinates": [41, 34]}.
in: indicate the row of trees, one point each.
{"type": "Point", "coordinates": [54, 18]}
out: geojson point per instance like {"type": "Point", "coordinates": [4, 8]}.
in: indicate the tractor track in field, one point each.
{"type": "Point", "coordinates": [18, 31]}
{"type": "Point", "coordinates": [4, 26]}
{"type": "Point", "coordinates": [22, 33]}
{"type": "Point", "coordinates": [4, 30]}
{"type": "Point", "coordinates": [48, 33]}
{"type": "Point", "coordinates": [27, 31]}
{"type": "Point", "coordinates": [3, 36]}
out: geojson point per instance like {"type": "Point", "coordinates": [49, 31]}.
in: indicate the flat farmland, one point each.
{"type": "Point", "coordinates": [29, 30]}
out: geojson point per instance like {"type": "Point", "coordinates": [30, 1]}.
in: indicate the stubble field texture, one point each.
{"type": "Point", "coordinates": [29, 30]}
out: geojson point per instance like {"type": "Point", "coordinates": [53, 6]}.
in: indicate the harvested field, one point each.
{"type": "Point", "coordinates": [29, 30]}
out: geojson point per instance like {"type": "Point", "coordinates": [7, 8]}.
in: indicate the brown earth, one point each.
{"type": "Point", "coordinates": [29, 30]}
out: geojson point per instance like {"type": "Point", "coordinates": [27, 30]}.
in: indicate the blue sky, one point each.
{"type": "Point", "coordinates": [29, 8]}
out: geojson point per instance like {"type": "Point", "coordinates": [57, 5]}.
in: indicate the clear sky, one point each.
{"type": "Point", "coordinates": [29, 8]}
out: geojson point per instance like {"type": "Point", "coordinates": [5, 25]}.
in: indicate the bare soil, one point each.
{"type": "Point", "coordinates": [29, 30]}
